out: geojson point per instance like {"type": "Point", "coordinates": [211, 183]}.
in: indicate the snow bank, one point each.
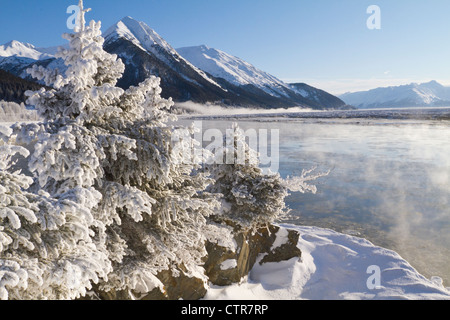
{"type": "Point", "coordinates": [334, 266]}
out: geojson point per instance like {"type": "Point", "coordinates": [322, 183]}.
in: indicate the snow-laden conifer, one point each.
{"type": "Point", "coordinates": [251, 198]}
{"type": "Point", "coordinates": [116, 203]}
{"type": "Point", "coordinates": [46, 250]}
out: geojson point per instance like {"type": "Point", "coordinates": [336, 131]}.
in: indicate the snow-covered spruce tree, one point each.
{"type": "Point", "coordinates": [46, 252]}
{"type": "Point", "coordinates": [120, 204]}
{"type": "Point", "coordinates": [251, 198]}
{"type": "Point", "coordinates": [17, 213]}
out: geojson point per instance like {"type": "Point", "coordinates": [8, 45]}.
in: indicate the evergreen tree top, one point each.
{"type": "Point", "coordinates": [81, 19]}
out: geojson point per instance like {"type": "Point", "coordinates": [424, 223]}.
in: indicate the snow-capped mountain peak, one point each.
{"type": "Point", "coordinates": [144, 37]}
{"type": "Point", "coordinates": [22, 50]}
{"type": "Point", "coordinates": [137, 32]}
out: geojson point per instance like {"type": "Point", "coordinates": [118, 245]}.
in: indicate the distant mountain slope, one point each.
{"type": "Point", "coordinates": [12, 88]}
{"type": "Point", "coordinates": [320, 96]}
{"type": "Point", "coordinates": [232, 69]}
{"type": "Point", "coordinates": [242, 74]}
{"type": "Point", "coordinates": [411, 95]}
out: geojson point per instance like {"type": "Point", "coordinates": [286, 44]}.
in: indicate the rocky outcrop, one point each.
{"type": "Point", "coordinates": [250, 245]}
{"type": "Point", "coordinates": [223, 265]}
{"type": "Point", "coordinates": [175, 288]}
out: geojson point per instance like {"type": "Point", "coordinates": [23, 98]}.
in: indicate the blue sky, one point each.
{"type": "Point", "coordinates": [325, 43]}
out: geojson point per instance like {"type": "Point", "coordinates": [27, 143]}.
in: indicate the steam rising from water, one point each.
{"type": "Point", "coordinates": [216, 110]}
{"type": "Point", "coordinates": [394, 177]}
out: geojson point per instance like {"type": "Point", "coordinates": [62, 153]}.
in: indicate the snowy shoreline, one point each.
{"type": "Point", "coordinates": [334, 266]}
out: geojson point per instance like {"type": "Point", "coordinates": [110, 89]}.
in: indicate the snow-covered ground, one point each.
{"type": "Point", "coordinates": [334, 266]}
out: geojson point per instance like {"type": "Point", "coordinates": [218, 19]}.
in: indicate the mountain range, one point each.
{"type": "Point", "coordinates": [198, 74]}
{"type": "Point", "coordinates": [430, 94]}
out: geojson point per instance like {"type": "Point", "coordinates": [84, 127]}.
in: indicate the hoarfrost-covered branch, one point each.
{"type": "Point", "coordinates": [300, 183]}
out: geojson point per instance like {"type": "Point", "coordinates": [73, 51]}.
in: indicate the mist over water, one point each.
{"type": "Point", "coordinates": [389, 181]}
